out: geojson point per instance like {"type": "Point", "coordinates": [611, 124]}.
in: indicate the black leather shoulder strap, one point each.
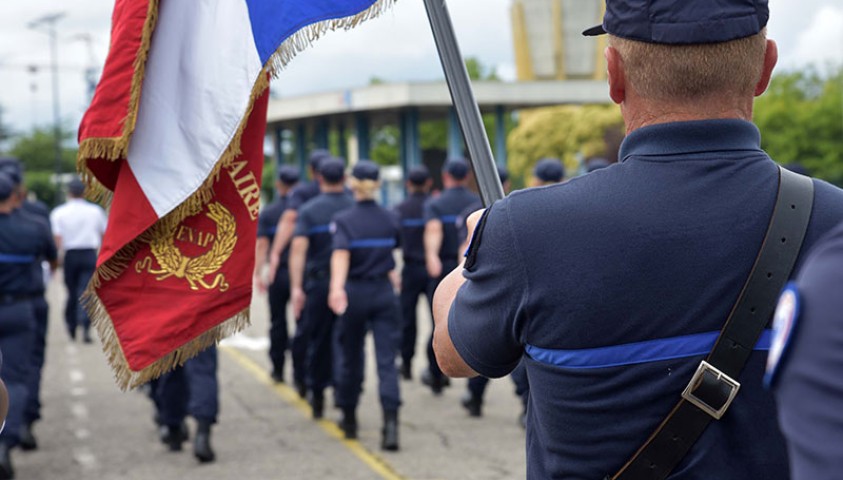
{"type": "Point", "coordinates": [714, 386]}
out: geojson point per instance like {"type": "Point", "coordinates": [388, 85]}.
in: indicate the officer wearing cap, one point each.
{"type": "Point", "coordinates": [804, 363]}
{"type": "Point", "coordinates": [34, 210]}
{"type": "Point", "coordinates": [78, 226]}
{"type": "Point", "coordinates": [24, 241]}
{"type": "Point", "coordinates": [303, 193]}
{"type": "Point", "coordinates": [441, 244]}
{"type": "Point", "coordinates": [279, 289]}
{"type": "Point", "coordinates": [310, 258]}
{"type": "Point", "coordinates": [414, 278]}
{"type": "Point", "coordinates": [547, 172]}
{"type": "Point", "coordinates": [362, 294]}
{"type": "Point", "coordinates": [612, 287]}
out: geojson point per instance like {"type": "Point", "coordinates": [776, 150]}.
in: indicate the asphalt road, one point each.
{"type": "Point", "coordinates": [92, 430]}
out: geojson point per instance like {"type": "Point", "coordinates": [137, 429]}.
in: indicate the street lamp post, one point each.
{"type": "Point", "coordinates": [49, 21]}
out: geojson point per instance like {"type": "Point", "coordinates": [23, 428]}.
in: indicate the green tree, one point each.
{"type": "Point", "coordinates": [36, 150]}
{"type": "Point", "coordinates": [564, 132]}
{"type": "Point", "coordinates": [801, 121]}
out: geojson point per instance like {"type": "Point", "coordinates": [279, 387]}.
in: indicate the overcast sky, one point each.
{"type": "Point", "coordinates": [396, 47]}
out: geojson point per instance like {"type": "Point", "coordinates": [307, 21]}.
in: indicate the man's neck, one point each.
{"type": "Point", "coordinates": [331, 188]}
{"type": "Point", "coordinates": [638, 113]}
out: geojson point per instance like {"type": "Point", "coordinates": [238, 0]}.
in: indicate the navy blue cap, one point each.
{"type": "Point", "coordinates": [456, 167]}
{"type": "Point", "coordinates": [418, 175]}
{"type": "Point", "coordinates": [595, 163]}
{"type": "Point", "coordinates": [76, 187]}
{"type": "Point", "coordinates": [549, 170]}
{"type": "Point", "coordinates": [332, 169]}
{"type": "Point", "coordinates": [317, 156]}
{"type": "Point", "coordinates": [365, 170]}
{"type": "Point", "coordinates": [503, 173]}
{"type": "Point", "coordinates": [7, 186]}
{"type": "Point", "coordinates": [13, 168]}
{"type": "Point", "coordinates": [678, 22]}
{"type": "Point", "coordinates": [288, 174]}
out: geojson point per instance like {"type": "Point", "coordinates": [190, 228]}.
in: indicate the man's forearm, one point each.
{"type": "Point", "coordinates": [261, 249]}
{"type": "Point", "coordinates": [432, 238]}
{"type": "Point", "coordinates": [447, 357]}
{"type": "Point", "coordinates": [284, 232]}
{"type": "Point", "coordinates": [298, 254]}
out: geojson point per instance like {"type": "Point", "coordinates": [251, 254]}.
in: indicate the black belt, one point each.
{"type": "Point", "coordinates": [370, 278]}
{"type": "Point", "coordinates": [6, 298]}
{"type": "Point", "coordinates": [318, 275]}
{"type": "Point", "coordinates": [714, 386]}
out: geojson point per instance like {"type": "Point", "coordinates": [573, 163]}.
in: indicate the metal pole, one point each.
{"type": "Point", "coordinates": [480, 152]}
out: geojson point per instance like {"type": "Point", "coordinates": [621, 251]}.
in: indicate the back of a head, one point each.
{"type": "Point", "coordinates": [365, 179]}
{"type": "Point", "coordinates": [76, 188]}
{"type": "Point", "coordinates": [418, 176]}
{"type": "Point", "coordinates": [13, 168]}
{"type": "Point", "coordinates": [457, 168]}
{"type": "Point", "coordinates": [288, 175]}
{"type": "Point", "coordinates": [680, 51]}
{"type": "Point", "coordinates": [316, 157]}
{"type": "Point", "coordinates": [7, 186]}
{"type": "Point", "coordinates": [332, 170]}
{"type": "Point", "coordinates": [549, 170]}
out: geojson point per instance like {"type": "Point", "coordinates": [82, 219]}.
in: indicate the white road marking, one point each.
{"type": "Point", "coordinates": [245, 342]}
{"type": "Point", "coordinates": [82, 433]}
{"type": "Point", "coordinates": [76, 375]}
{"type": "Point", "coordinates": [79, 410]}
{"type": "Point", "coordinates": [85, 458]}
{"type": "Point", "coordinates": [78, 391]}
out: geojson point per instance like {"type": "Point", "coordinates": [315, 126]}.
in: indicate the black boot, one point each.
{"type": "Point", "coordinates": [473, 404]}
{"type": "Point", "coordinates": [389, 439]}
{"type": "Point", "coordinates": [406, 370]}
{"type": "Point", "coordinates": [6, 470]}
{"type": "Point", "coordinates": [317, 405]}
{"type": "Point", "coordinates": [27, 439]}
{"type": "Point", "coordinates": [348, 423]}
{"type": "Point", "coordinates": [173, 436]}
{"type": "Point", "coordinates": [435, 383]}
{"type": "Point", "coordinates": [202, 443]}
{"type": "Point", "coordinates": [86, 336]}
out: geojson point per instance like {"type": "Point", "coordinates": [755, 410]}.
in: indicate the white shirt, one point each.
{"type": "Point", "coordinates": [80, 224]}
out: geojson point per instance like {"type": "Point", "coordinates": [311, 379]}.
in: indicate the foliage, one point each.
{"type": "Point", "coordinates": [384, 146]}
{"type": "Point", "coordinates": [801, 121]}
{"type": "Point", "coordinates": [37, 151]}
{"type": "Point", "coordinates": [41, 185]}
{"type": "Point", "coordinates": [564, 132]}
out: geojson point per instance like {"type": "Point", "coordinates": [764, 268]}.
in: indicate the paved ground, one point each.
{"type": "Point", "coordinates": [92, 430]}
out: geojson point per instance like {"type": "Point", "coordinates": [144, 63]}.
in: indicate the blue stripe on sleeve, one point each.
{"type": "Point", "coordinates": [635, 353]}
{"type": "Point", "coordinates": [372, 243]}
{"type": "Point", "coordinates": [413, 222]}
{"type": "Point", "coordinates": [452, 219]}
{"type": "Point", "coordinates": [274, 21]}
{"type": "Point", "coordinates": [14, 258]}
{"type": "Point", "coordinates": [319, 229]}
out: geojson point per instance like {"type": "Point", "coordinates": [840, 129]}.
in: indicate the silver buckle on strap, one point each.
{"type": "Point", "coordinates": [704, 371]}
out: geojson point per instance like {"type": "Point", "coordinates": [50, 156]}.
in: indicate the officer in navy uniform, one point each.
{"type": "Point", "coordinates": [548, 171]}
{"type": "Point", "coordinates": [191, 389]}
{"type": "Point", "coordinates": [38, 211]}
{"type": "Point", "coordinates": [279, 288]}
{"type": "Point", "coordinates": [805, 362]}
{"type": "Point", "coordinates": [301, 194]}
{"type": "Point", "coordinates": [362, 294]}
{"type": "Point", "coordinates": [310, 258]}
{"type": "Point", "coordinates": [414, 278]}
{"type": "Point", "coordinates": [24, 241]}
{"type": "Point", "coordinates": [612, 286]}
{"type": "Point", "coordinates": [441, 244]}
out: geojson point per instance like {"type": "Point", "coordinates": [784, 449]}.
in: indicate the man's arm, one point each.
{"type": "Point", "coordinates": [261, 249]}
{"type": "Point", "coordinates": [337, 297]}
{"type": "Point", "coordinates": [433, 234]}
{"type": "Point", "coordinates": [298, 256]}
{"type": "Point", "coordinates": [283, 234]}
{"type": "Point", "coordinates": [447, 357]}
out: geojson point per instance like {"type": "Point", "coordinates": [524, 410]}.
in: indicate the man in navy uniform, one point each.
{"type": "Point", "coordinates": [279, 288]}
{"type": "Point", "coordinates": [414, 278]}
{"type": "Point", "coordinates": [548, 171]}
{"type": "Point", "coordinates": [612, 287]}
{"type": "Point", "coordinates": [805, 362]}
{"type": "Point", "coordinates": [310, 258]}
{"type": "Point", "coordinates": [441, 244]}
{"type": "Point", "coordinates": [24, 241]}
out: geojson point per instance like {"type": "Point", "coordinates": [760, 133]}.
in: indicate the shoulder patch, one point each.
{"type": "Point", "coordinates": [332, 227]}
{"type": "Point", "coordinates": [476, 237]}
{"type": "Point", "coordinates": [784, 323]}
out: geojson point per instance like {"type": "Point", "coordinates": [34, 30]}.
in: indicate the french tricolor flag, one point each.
{"type": "Point", "coordinates": [173, 144]}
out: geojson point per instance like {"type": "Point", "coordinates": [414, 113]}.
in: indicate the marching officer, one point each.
{"type": "Point", "coordinates": [414, 278]}
{"type": "Point", "coordinates": [548, 171]}
{"type": "Point", "coordinates": [279, 288]}
{"type": "Point", "coordinates": [441, 244]}
{"type": "Point", "coordinates": [362, 293]}
{"type": "Point", "coordinates": [35, 210]}
{"type": "Point", "coordinates": [310, 258]}
{"type": "Point", "coordinates": [23, 243]}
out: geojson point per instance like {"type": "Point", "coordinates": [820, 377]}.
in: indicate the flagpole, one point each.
{"type": "Point", "coordinates": [468, 113]}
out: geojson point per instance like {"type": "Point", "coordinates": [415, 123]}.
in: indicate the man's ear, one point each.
{"type": "Point", "coordinates": [771, 56]}
{"type": "Point", "coordinates": [617, 81]}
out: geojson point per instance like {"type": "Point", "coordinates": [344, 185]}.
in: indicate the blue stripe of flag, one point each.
{"type": "Point", "coordinates": [372, 243]}
{"type": "Point", "coordinates": [636, 353]}
{"type": "Point", "coordinates": [274, 21]}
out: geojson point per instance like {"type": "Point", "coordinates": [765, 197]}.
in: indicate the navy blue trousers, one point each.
{"type": "Point", "coordinates": [477, 385]}
{"type": "Point", "coordinates": [447, 266]}
{"type": "Point", "coordinates": [17, 331]}
{"type": "Point", "coordinates": [371, 305]}
{"type": "Point", "coordinates": [279, 295]}
{"type": "Point", "coordinates": [79, 266]}
{"type": "Point", "coordinates": [319, 333]}
{"type": "Point", "coordinates": [191, 389]}
{"type": "Point", "coordinates": [414, 282]}
{"type": "Point", "coordinates": [39, 346]}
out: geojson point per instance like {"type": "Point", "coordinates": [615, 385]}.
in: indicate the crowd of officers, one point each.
{"type": "Point", "coordinates": [331, 254]}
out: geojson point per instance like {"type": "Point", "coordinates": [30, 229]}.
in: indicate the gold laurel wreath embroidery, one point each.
{"type": "Point", "coordinates": [193, 269]}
